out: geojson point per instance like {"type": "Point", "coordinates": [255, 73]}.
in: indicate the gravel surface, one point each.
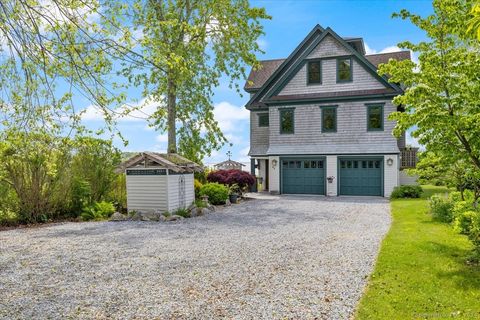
{"type": "Point", "coordinates": [289, 258]}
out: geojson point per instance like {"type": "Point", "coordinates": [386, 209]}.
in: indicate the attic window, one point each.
{"type": "Point", "coordinates": [314, 72]}
{"type": "Point", "coordinates": [344, 70]}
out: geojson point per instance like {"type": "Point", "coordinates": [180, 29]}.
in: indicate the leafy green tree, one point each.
{"type": "Point", "coordinates": [191, 45]}
{"type": "Point", "coordinates": [474, 23]}
{"type": "Point", "coordinates": [34, 165]}
{"type": "Point", "coordinates": [51, 53]}
{"type": "Point", "coordinates": [94, 162]}
{"type": "Point", "coordinates": [441, 99]}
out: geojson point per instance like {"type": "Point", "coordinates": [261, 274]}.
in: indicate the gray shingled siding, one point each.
{"type": "Point", "coordinates": [287, 70]}
{"type": "Point", "coordinates": [258, 136]}
{"type": "Point", "coordinates": [329, 47]}
{"type": "Point", "coordinates": [362, 80]}
{"type": "Point", "coordinates": [351, 136]}
{"type": "Point", "coordinates": [402, 141]}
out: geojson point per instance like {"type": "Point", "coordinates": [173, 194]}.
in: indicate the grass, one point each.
{"type": "Point", "coordinates": [421, 271]}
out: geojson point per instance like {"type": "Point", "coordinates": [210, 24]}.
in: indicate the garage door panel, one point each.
{"type": "Point", "coordinates": [303, 176]}
{"type": "Point", "coordinates": [360, 176]}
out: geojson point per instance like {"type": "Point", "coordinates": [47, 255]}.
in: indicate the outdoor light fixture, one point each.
{"type": "Point", "coordinates": [389, 161]}
{"type": "Point", "coordinates": [274, 163]}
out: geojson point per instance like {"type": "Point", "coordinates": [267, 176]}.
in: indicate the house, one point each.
{"type": "Point", "coordinates": [159, 182]}
{"type": "Point", "coordinates": [319, 120]}
{"type": "Point", "coordinates": [228, 164]}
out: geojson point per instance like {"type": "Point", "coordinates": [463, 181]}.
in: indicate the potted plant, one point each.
{"type": "Point", "coordinates": [234, 192]}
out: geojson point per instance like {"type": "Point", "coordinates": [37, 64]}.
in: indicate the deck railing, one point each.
{"type": "Point", "coordinates": [408, 158]}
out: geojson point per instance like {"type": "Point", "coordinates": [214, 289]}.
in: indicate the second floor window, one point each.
{"type": "Point", "coordinates": [344, 70]}
{"type": "Point", "coordinates": [329, 119]}
{"type": "Point", "coordinates": [314, 72]}
{"type": "Point", "coordinates": [287, 121]}
{"type": "Point", "coordinates": [374, 117]}
{"type": "Point", "coordinates": [263, 120]}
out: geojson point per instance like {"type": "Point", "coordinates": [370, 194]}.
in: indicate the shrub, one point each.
{"type": "Point", "coordinates": [463, 222]}
{"type": "Point", "coordinates": [81, 193]}
{"type": "Point", "coordinates": [200, 204]}
{"type": "Point", "coordinates": [474, 234]}
{"type": "Point", "coordinates": [229, 177]}
{"type": "Point", "coordinates": [217, 193]}
{"type": "Point", "coordinates": [99, 211]}
{"type": "Point", "coordinates": [441, 208]}
{"type": "Point", "coordinates": [406, 191]}
{"type": "Point", "coordinates": [182, 213]}
{"type": "Point", "coordinates": [197, 185]}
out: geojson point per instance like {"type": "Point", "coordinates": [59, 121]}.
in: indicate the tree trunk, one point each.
{"type": "Point", "coordinates": [171, 116]}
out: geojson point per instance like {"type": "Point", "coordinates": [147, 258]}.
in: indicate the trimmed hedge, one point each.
{"type": "Point", "coordinates": [406, 191]}
{"type": "Point", "coordinates": [217, 193]}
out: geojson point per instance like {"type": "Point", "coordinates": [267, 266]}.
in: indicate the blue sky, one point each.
{"type": "Point", "coordinates": [291, 22]}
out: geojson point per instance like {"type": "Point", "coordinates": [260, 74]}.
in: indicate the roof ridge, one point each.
{"type": "Point", "coordinates": [377, 54]}
{"type": "Point", "coordinates": [272, 59]}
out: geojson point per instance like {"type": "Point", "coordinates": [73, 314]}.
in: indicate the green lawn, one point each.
{"type": "Point", "coordinates": [421, 271]}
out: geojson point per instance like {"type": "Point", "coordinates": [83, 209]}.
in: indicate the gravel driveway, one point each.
{"type": "Point", "coordinates": [293, 257]}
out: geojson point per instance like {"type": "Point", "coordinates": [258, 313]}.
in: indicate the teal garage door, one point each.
{"type": "Point", "coordinates": [361, 176]}
{"type": "Point", "coordinates": [303, 176]}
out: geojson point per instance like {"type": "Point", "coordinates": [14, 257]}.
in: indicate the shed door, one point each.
{"type": "Point", "coordinates": [303, 176]}
{"type": "Point", "coordinates": [361, 176]}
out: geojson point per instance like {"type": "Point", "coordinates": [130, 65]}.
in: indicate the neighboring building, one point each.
{"type": "Point", "coordinates": [228, 164]}
{"type": "Point", "coordinates": [319, 120]}
{"type": "Point", "coordinates": [159, 182]}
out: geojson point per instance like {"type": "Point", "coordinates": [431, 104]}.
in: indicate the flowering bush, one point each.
{"type": "Point", "coordinates": [233, 176]}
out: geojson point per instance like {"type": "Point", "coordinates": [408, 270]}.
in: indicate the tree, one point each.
{"type": "Point", "coordinates": [94, 162]}
{"type": "Point", "coordinates": [441, 99]}
{"type": "Point", "coordinates": [34, 165]}
{"type": "Point", "coordinates": [474, 25]}
{"type": "Point", "coordinates": [191, 44]}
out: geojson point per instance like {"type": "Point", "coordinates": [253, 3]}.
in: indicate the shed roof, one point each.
{"type": "Point", "coordinates": [170, 161]}
{"type": "Point", "coordinates": [229, 163]}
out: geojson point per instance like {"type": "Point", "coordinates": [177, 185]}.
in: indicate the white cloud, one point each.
{"type": "Point", "coordinates": [388, 49]}
{"type": "Point", "coordinates": [369, 50]}
{"type": "Point", "coordinates": [243, 156]}
{"type": "Point", "coordinates": [162, 138]}
{"type": "Point", "coordinates": [139, 111]}
{"type": "Point", "coordinates": [262, 43]}
{"type": "Point", "coordinates": [228, 116]}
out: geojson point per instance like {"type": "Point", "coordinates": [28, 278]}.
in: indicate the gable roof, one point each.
{"type": "Point", "coordinates": [317, 30]}
{"type": "Point", "coordinates": [258, 77]}
{"type": "Point", "coordinates": [170, 161]}
{"type": "Point", "coordinates": [229, 163]}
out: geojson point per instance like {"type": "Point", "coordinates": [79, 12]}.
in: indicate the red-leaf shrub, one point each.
{"type": "Point", "coordinates": [233, 176]}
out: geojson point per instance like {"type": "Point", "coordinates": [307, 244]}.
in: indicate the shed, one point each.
{"type": "Point", "coordinates": [159, 182]}
{"type": "Point", "coordinates": [228, 164]}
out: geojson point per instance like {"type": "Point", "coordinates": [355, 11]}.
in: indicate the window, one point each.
{"type": "Point", "coordinates": [263, 120]}
{"type": "Point", "coordinates": [329, 119]}
{"type": "Point", "coordinates": [375, 117]}
{"type": "Point", "coordinates": [286, 121]}
{"type": "Point", "coordinates": [344, 70]}
{"type": "Point", "coordinates": [314, 72]}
